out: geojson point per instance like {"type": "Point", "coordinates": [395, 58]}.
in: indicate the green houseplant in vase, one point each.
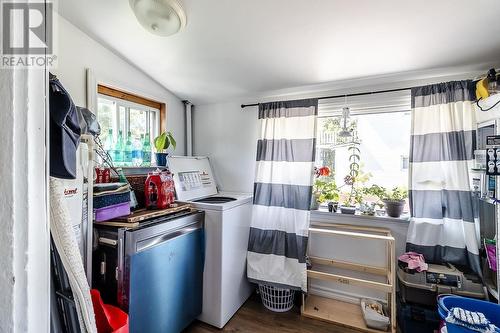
{"type": "Point", "coordinates": [162, 143]}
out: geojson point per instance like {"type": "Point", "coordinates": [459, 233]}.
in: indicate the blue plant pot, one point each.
{"type": "Point", "coordinates": [161, 159]}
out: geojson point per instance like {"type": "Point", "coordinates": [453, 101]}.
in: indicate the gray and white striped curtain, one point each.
{"type": "Point", "coordinates": [442, 225]}
{"type": "Point", "coordinates": [282, 194]}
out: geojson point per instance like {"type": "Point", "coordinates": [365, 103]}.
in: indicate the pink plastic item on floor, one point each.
{"type": "Point", "coordinates": [414, 261]}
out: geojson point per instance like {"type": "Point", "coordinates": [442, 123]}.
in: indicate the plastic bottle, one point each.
{"type": "Point", "coordinates": [146, 150]}
{"type": "Point", "coordinates": [128, 150]}
{"type": "Point", "coordinates": [137, 154]}
{"type": "Point", "coordinates": [118, 151]}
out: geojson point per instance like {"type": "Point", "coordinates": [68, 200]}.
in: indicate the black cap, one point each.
{"type": "Point", "coordinates": [64, 132]}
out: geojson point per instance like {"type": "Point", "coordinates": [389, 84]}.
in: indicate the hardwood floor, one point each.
{"type": "Point", "coordinates": [253, 317]}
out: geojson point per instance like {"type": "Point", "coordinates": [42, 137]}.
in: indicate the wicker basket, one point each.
{"type": "Point", "coordinates": [137, 183]}
{"type": "Point", "coordinates": [276, 299]}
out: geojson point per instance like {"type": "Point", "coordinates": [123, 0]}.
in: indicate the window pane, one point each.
{"type": "Point", "coordinates": [106, 116]}
{"type": "Point", "coordinates": [122, 113]}
{"type": "Point", "coordinates": [384, 143]}
{"type": "Point", "coordinates": [153, 132]}
{"type": "Point", "coordinates": [138, 122]}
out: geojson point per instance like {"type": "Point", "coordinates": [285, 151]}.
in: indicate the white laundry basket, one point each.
{"type": "Point", "coordinates": [276, 299]}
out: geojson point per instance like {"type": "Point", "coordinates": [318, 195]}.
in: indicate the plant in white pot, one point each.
{"type": "Point", "coordinates": [162, 143]}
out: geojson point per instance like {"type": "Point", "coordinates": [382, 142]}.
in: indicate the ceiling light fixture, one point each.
{"type": "Point", "coordinates": [160, 17]}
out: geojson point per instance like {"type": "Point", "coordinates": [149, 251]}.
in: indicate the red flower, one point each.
{"type": "Point", "coordinates": [323, 171]}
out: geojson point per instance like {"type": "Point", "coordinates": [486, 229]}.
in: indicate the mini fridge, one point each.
{"type": "Point", "coordinates": [154, 271]}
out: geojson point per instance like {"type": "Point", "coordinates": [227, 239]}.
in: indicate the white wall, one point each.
{"type": "Point", "coordinates": [24, 239]}
{"type": "Point", "coordinates": [77, 51]}
{"type": "Point", "coordinates": [228, 136]}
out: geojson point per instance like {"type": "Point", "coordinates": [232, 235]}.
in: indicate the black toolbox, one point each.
{"type": "Point", "coordinates": [423, 288]}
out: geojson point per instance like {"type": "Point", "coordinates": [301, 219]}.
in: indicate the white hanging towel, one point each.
{"type": "Point", "coordinates": [67, 247]}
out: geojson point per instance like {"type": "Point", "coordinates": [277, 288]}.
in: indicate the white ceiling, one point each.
{"type": "Point", "coordinates": [233, 48]}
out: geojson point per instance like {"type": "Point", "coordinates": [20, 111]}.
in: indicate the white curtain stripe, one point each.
{"type": "Point", "coordinates": [442, 118]}
{"type": "Point", "coordinates": [279, 172]}
{"type": "Point", "coordinates": [445, 232]}
{"type": "Point", "coordinates": [276, 269]}
{"type": "Point", "coordinates": [289, 128]}
{"type": "Point", "coordinates": [292, 221]}
{"type": "Point", "coordinates": [441, 175]}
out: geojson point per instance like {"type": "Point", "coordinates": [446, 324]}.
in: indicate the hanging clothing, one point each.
{"type": "Point", "coordinates": [443, 139]}
{"type": "Point", "coordinates": [282, 194]}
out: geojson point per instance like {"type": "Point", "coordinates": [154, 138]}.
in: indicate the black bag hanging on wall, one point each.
{"type": "Point", "coordinates": [64, 131]}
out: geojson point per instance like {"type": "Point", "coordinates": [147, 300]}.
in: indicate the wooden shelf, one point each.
{"type": "Point", "coordinates": [334, 311]}
{"type": "Point", "coordinates": [348, 314]}
{"type": "Point", "coordinates": [349, 280]}
{"type": "Point", "coordinates": [382, 271]}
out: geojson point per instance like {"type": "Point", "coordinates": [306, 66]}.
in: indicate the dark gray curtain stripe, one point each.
{"type": "Point", "coordinates": [445, 254]}
{"type": "Point", "coordinates": [450, 146]}
{"type": "Point", "coordinates": [278, 243]}
{"type": "Point", "coordinates": [294, 150]}
{"type": "Point", "coordinates": [282, 195]}
{"type": "Point", "coordinates": [443, 93]}
{"type": "Point", "coordinates": [297, 108]}
{"type": "Point", "coordinates": [443, 204]}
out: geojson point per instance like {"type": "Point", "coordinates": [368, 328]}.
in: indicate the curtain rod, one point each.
{"type": "Point", "coordinates": [346, 95]}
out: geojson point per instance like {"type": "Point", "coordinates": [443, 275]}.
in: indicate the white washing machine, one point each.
{"type": "Point", "coordinates": [227, 226]}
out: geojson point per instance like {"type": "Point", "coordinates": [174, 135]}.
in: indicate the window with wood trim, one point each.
{"type": "Point", "coordinates": [122, 111]}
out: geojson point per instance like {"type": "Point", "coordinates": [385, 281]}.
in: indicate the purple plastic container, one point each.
{"type": "Point", "coordinates": [111, 212]}
{"type": "Point", "coordinates": [491, 252]}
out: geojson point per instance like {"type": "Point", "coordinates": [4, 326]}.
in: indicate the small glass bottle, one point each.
{"type": "Point", "coordinates": [128, 150]}
{"type": "Point", "coordinates": [118, 150]}
{"type": "Point", "coordinates": [146, 150]}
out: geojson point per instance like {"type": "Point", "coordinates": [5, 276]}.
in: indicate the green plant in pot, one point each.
{"type": "Point", "coordinates": [162, 143]}
{"type": "Point", "coordinates": [394, 200]}
{"type": "Point", "coordinates": [348, 206]}
{"type": "Point", "coordinates": [325, 191]}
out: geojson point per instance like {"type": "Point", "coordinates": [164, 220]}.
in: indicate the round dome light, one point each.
{"type": "Point", "coordinates": [160, 17]}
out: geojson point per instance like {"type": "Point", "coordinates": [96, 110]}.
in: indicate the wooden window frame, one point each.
{"type": "Point", "coordinates": [130, 97]}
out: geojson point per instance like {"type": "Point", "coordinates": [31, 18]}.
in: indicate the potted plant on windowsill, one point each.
{"type": "Point", "coordinates": [325, 191]}
{"type": "Point", "coordinates": [394, 200]}
{"type": "Point", "coordinates": [348, 207]}
{"type": "Point", "coordinates": [162, 143]}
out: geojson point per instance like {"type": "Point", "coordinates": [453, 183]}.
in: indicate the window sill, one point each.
{"type": "Point", "coordinates": [324, 215]}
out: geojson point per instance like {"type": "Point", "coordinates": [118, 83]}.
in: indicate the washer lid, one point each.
{"type": "Point", "coordinates": [193, 177]}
